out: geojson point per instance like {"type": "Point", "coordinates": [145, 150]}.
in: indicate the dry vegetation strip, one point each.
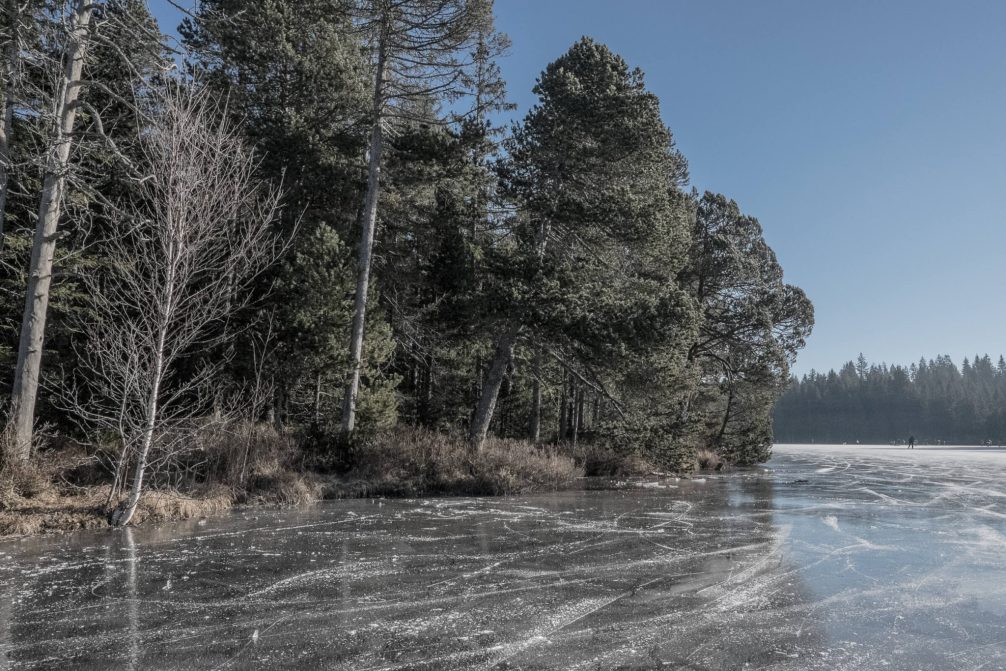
{"type": "Point", "coordinates": [253, 464]}
{"type": "Point", "coordinates": [249, 464]}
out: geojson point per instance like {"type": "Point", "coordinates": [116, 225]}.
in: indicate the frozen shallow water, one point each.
{"type": "Point", "coordinates": [829, 558]}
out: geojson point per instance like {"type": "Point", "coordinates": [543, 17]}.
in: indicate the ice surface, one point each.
{"type": "Point", "coordinates": [837, 558]}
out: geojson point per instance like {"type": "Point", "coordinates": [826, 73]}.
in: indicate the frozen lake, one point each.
{"type": "Point", "coordinates": [828, 558]}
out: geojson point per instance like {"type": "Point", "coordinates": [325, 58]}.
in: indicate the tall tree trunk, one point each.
{"type": "Point", "coordinates": [11, 70]}
{"type": "Point", "coordinates": [427, 391]}
{"type": "Point", "coordinates": [561, 435]}
{"type": "Point", "coordinates": [366, 246]}
{"type": "Point", "coordinates": [578, 415]}
{"type": "Point", "coordinates": [574, 426]}
{"type": "Point", "coordinates": [534, 434]}
{"type": "Point", "coordinates": [491, 389]}
{"type": "Point", "coordinates": [726, 417]}
{"type": "Point", "coordinates": [271, 416]}
{"type": "Point", "coordinates": [29, 357]}
{"type": "Point", "coordinates": [317, 400]}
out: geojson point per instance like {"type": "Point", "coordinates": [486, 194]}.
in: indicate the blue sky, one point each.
{"type": "Point", "coordinates": [869, 138]}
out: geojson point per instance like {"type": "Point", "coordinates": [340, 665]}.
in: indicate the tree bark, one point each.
{"type": "Point", "coordinates": [534, 434]}
{"type": "Point", "coordinates": [317, 400]}
{"type": "Point", "coordinates": [122, 518]}
{"type": "Point", "coordinates": [153, 399]}
{"type": "Point", "coordinates": [427, 392]}
{"type": "Point", "coordinates": [563, 404]}
{"type": "Point", "coordinates": [491, 388]}
{"type": "Point", "coordinates": [726, 417]}
{"type": "Point", "coordinates": [29, 359]}
{"type": "Point", "coordinates": [11, 70]}
{"type": "Point", "coordinates": [578, 415]}
{"type": "Point", "coordinates": [366, 246]}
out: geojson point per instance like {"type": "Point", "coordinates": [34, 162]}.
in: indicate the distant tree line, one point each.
{"type": "Point", "coordinates": [557, 281]}
{"type": "Point", "coordinates": [931, 400]}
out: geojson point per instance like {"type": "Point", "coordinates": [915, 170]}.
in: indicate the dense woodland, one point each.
{"type": "Point", "coordinates": [934, 401]}
{"type": "Point", "coordinates": [308, 215]}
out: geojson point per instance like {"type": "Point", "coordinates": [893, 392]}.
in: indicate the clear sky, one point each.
{"type": "Point", "coordinates": [869, 138]}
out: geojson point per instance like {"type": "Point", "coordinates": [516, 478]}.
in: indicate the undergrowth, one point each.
{"type": "Point", "coordinates": [68, 486]}
{"type": "Point", "coordinates": [413, 462]}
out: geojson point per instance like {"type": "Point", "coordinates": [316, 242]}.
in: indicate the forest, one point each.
{"type": "Point", "coordinates": [302, 245]}
{"type": "Point", "coordinates": [934, 401]}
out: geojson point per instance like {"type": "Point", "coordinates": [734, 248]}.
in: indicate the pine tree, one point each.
{"type": "Point", "coordinates": [295, 80]}
{"type": "Point", "coordinates": [752, 326]}
{"type": "Point", "coordinates": [601, 227]}
{"type": "Point", "coordinates": [419, 51]}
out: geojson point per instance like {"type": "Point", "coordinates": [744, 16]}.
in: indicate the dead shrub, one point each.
{"type": "Point", "coordinates": [253, 461]}
{"type": "Point", "coordinates": [22, 481]}
{"type": "Point", "coordinates": [237, 452]}
{"type": "Point", "coordinates": [709, 460]}
{"type": "Point", "coordinates": [598, 460]}
{"type": "Point", "coordinates": [414, 462]}
{"type": "Point", "coordinates": [287, 488]}
{"type": "Point", "coordinates": [46, 476]}
{"type": "Point", "coordinates": [219, 453]}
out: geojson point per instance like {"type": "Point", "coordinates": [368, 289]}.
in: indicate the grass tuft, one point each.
{"type": "Point", "coordinates": [416, 462]}
{"type": "Point", "coordinates": [708, 460]}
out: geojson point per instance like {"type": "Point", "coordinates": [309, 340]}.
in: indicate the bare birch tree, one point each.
{"type": "Point", "coordinates": [421, 50]}
{"type": "Point", "coordinates": [186, 248]}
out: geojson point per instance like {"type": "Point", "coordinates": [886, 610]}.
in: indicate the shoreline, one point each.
{"type": "Point", "coordinates": [69, 514]}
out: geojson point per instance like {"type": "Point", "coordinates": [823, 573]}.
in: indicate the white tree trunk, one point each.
{"type": "Point", "coordinates": [366, 247]}
{"type": "Point", "coordinates": [29, 357]}
{"type": "Point", "coordinates": [156, 377]}
{"type": "Point", "coordinates": [491, 389]}
{"type": "Point", "coordinates": [122, 518]}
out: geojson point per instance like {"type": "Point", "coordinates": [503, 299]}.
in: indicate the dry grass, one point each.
{"type": "Point", "coordinates": [164, 506]}
{"type": "Point", "coordinates": [246, 463]}
{"type": "Point", "coordinates": [283, 488]}
{"type": "Point", "coordinates": [84, 508]}
{"type": "Point", "coordinates": [708, 460]}
{"type": "Point", "coordinates": [601, 461]}
{"type": "Point", "coordinates": [415, 462]}
{"type": "Point", "coordinates": [235, 453]}
{"type": "Point", "coordinates": [260, 465]}
{"type": "Point", "coordinates": [67, 489]}
{"type": "Point", "coordinates": [256, 463]}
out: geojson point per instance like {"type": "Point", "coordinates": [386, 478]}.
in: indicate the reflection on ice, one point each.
{"type": "Point", "coordinates": [830, 558]}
